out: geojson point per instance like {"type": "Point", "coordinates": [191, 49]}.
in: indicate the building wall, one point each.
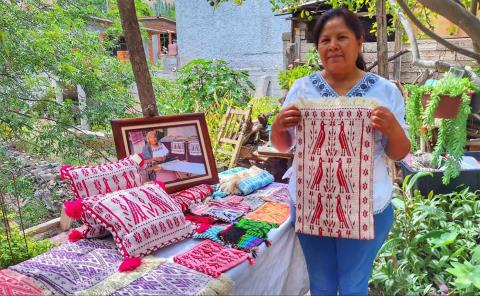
{"type": "Point", "coordinates": [248, 37]}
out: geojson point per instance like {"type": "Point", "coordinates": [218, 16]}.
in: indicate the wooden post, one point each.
{"type": "Point", "coordinates": [382, 43]}
{"type": "Point", "coordinates": [131, 32]}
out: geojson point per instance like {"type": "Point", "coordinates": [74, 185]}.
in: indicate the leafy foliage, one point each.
{"type": "Point", "coordinates": [204, 83]}
{"type": "Point", "coordinates": [13, 250]}
{"type": "Point", "coordinates": [432, 247]}
{"type": "Point", "coordinates": [312, 65]}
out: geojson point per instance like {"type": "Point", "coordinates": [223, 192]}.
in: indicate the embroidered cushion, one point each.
{"type": "Point", "coordinates": [141, 219]}
{"type": "Point", "coordinates": [211, 258]}
{"type": "Point", "coordinates": [105, 178]}
{"type": "Point", "coordinates": [193, 195]}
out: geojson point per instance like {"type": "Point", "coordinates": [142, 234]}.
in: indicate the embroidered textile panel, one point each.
{"type": "Point", "coordinates": [227, 215]}
{"type": "Point", "coordinates": [141, 219]}
{"type": "Point", "coordinates": [14, 283]}
{"type": "Point", "coordinates": [72, 267]}
{"type": "Point", "coordinates": [271, 212]}
{"type": "Point", "coordinates": [334, 172]}
{"type": "Point", "coordinates": [193, 195]}
{"type": "Point", "coordinates": [211, 258]}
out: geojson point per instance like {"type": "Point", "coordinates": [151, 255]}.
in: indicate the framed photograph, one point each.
{"type": "Point", "coordinates": [176, 148]}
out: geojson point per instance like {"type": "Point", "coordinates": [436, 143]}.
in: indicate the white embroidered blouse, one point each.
{"type": "Point", "coordinates": [370, 86]}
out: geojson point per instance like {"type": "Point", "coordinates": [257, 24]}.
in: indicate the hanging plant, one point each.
{"type": "Point", "coordinates": [423, 115]}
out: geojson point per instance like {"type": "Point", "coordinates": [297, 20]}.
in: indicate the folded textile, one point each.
{"type": "Point", "coordinates": [73, 267]}
{"type": "Point", "coordinates": [245, 182]}
{"type": "Point", "coordinates": [231, 235]}
{"type": "Point", "coordinates": [223, 214]}
{"type": "Point", "coordinates": [197, 219]}
{"type": "Point", "coordinates": [199, 209]}
{"type": "Point", "coordinates": [211, 233]}
{"type": "Point", "coordinates": [253, 201]}
{"type": "Point", "coordinates": [193, 195]}
{"type": "Point", "coordinates": [255, 228]}
{"type": "Point", "coordinates": [233, 202]}
{"type": "Point", "coordinates": [248, 242]}
{"type": "Point", "coordinates": [271, 212]}
{"type": "Point", "coordinates": [175, 279]}
{"type": "Point", "coordinates": [211, 258]}
{"type": "Point", "coordinates": [14, 283]}
{"type": "Point", "coordinates": [274, 192]}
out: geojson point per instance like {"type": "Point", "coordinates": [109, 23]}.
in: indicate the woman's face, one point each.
{"type": "Point", "coordinates": [152, 139]}
{"type": "Point", "coordinates": [338, 47]}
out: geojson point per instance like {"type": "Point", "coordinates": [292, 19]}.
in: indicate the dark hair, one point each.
{"type": "Point", "coordinates": [352, 22]}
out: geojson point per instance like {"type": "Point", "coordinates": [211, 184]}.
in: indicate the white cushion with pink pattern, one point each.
{"type": "Point", "coordinates": [104, 178]}
{"type": "Point", "coordinates": [141, 219]}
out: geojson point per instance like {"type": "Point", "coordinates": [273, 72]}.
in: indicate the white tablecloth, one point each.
{"type": "Point", "coordinates": [278, 270]}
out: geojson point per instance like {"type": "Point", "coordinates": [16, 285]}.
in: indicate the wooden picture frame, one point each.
{"type": "Point", "coordinates": [176, 148]}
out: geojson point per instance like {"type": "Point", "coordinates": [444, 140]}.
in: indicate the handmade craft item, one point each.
{"type": "Point", "coordinates": [193, 195]}
{"type": "Point", "coordinates": [334, 164]}
{"type": "Point", "coordinates": [14, 283]}
{"type": "Point", "coordinates": [246, 181]}
{"type": "Point", "coordinates": [141, 219]}
{"type": "Point", "coordinates": [231, 235]}
{"type": "Point", "coordinates": [72, 267]}
{"type": "Point", "coordinates": [256, 228]}
{"type": "Point", "coordinates": [233, 202]}
{"type": "Point", "coordinates": [211, 258]}
{"type": "Point", "coordinates": [175, 279]}
{"type": "Point", "coordinates": [211, 233]}
{"type": "Point", "coordinates": [105, 178]}
{"type": "Point", "coordinates": [227, 215]}
{"type": "Point", "coordinates": [271, 212]}
{"type": "Point", "coordinates": [253, 201]}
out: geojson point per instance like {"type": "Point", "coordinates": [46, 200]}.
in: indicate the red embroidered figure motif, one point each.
{"type": "Point", "coordinates": [341, 215]}
{"type": "Point", "coordinates": [342, 181]}
{"type": "Point", "coordinates": [318, 176]}
{"type": "Point", "coordinates": [107, 187]}
{"type": "Point", "coordinates": [344, 144]}
{"type": "Point", "coordinates": [320, 139]}
{"type": "Point", "coordinates": [318, 211]}
{"type": "Point", "coordinates": [127, 180]}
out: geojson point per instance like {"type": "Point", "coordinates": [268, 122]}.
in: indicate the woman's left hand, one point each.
{"type": "Point", "coordinates": [384, 120]}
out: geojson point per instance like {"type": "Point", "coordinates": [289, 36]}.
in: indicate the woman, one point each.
{"type": "Point", "coordinates": [153, 152]}
{"type": "Point", "coordinates": [344, 265]}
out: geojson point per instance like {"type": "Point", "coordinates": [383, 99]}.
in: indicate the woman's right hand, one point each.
{"type": "Point", "coordinates": [287, 118]}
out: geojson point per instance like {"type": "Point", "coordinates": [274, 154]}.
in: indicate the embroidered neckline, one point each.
{"type": "Point", "coordinates": [358, 90]}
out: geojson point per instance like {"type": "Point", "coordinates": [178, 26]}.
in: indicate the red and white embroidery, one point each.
{"type": "Point", "coordinates": [142, 219]}
{"type": "Point", "coordinates": [334, 172]}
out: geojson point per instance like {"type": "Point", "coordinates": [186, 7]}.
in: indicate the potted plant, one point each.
{"type": "Point", "coordinates": [438, 114]}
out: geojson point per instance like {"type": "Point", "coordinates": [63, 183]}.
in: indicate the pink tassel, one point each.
{"type": "Point", "coordinates": [161, 184]}
{"type": "Point", "coordinates": [75, 235]}
{"type": "Point", "coordinates": [73, 209]}
{"type": "Point", "coordinates": [251, 260]}
{"type": "Point", "coordinates": [130, 264]}
{"type": "Point", "coordinates": [203, 227]}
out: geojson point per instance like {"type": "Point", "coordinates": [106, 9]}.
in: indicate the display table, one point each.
{"type": "Point", "coordinates": [278, 270]}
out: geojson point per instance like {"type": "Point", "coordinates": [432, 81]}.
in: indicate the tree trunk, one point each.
{"type": "Point", "coordinates": [397, 64]}
{"type": "Point", "coordinates": [382, 43]}
{"type": "Point", "coordinates": [133, 38]}
{"type": "Point", "coordinates": [473, 10]}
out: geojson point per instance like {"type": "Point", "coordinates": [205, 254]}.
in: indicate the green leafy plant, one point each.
{"type": "Point", "coordinates": [14, 250]}
{"type": "Point", "coordinates": [312, 65]}
{"type": "Point", "coordinates": [203, 83]}
{"type": "Point", "coordinates": [452, 135]}
{"type": "Point", "coordinates": [432, 238]}
{"type": "Point", "coordinates": [265, 105]}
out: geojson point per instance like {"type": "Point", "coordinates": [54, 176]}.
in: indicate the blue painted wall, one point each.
{"type": "Point", "coordinates": [248, 37]}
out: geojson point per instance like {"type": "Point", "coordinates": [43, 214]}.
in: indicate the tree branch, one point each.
{"type": "Point", "coordinates": [416, 60]}
{"type": "Point", "coordinates": [434, 36]}
{"type": "Point", "coordinates": [398, 54]}
{"type": "Point", "coordinates": [457, 14]}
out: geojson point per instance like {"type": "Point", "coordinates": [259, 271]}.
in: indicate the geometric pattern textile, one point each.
{"type": "Point", "coordinates": [254, 182]}
{"type": "Point", "coordinates": [167, 279]}
{"type": "Point", "coordinates": [105, 178]}
{"type": "Point", "coordinates": [141, 219]}
{"type": "Point", "coordinates": [211, 233]}
{"type": "Point", "coordinates": [256, 228]}
{"type": "Point", "coordinates": [233, 202]}
{"type": "Point", "coordinates": [13, 283]}
{"type": "Point", "coordinates": [72, 267]}
{"type": "Point", "coordinates": [211, 258]}
{"type": "Point", "coordinates": [275, 192]}
{"type": "Point", "coordinates": [334, 168]}
{"type": "Point", "coordinates": [192, 195]}
{"type": "Point", "coordinates": [224, 214]}
{"type": "Point", "coordinates": [271, 212]}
